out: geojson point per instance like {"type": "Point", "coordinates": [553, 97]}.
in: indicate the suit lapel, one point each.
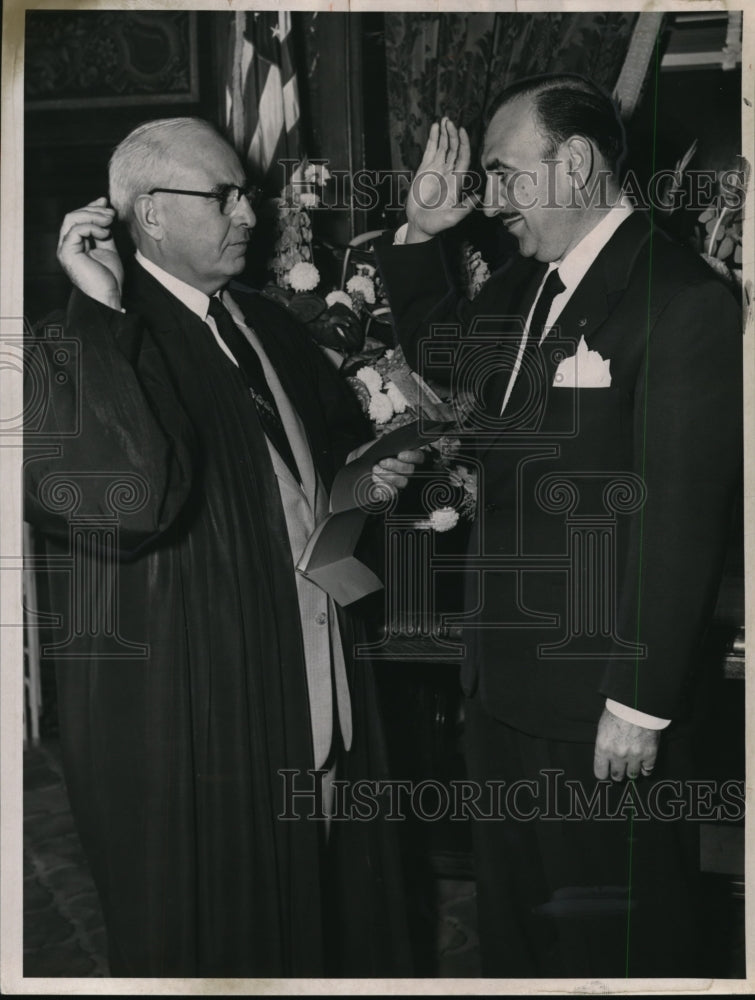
{"type": "Point", "coordinates": [165, 313]}
{"type": "Point", "coordinates": [169, 319]}
{"type": "Point", "coordinates": [521, 300]}
{"type": "Point", "coordinates": [598, 292]}
{"type": "Point", "coordinates": [530, 289]}
{"type": "Point", "coordinates": [594, 298]}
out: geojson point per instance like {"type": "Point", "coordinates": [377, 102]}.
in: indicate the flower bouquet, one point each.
{"type": "Point", "coordinates": [391, 394]}
{"type": "Point", "coordinates": [341, 320]}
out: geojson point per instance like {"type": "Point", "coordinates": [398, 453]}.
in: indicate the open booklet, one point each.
{"type": "Point", "coordinates": [328, 559]}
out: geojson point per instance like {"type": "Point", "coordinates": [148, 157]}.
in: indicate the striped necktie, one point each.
{"type": "Point", "coordinates": [251, 367]}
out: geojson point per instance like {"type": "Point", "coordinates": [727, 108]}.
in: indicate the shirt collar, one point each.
{"type": "Point", "coordinates": [191, 297]}
{"type": "Point", "coordinates": [577, 262]}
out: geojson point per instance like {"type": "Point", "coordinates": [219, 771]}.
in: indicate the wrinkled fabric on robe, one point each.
{"type": "Point", "coordinates": [172, 757]}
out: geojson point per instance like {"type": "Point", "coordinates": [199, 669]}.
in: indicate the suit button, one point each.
{"type": "Point", "coordinates": [322, 618]}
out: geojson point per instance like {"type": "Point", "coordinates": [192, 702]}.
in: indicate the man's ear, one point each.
{"type": "Point", "coordinates": [580, 160]}
{"type": "Point", "coordinates": [147, 217]}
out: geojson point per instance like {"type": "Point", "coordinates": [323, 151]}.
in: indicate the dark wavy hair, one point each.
{"type": "Point", "coordinates": [566, 105]}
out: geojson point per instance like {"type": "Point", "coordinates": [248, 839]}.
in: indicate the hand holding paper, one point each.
{"type": "Point", "coordinates": [393, 473]}
{"type": "Point", "coordinates": [328, 558]}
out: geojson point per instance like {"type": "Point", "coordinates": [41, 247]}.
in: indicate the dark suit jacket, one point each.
{"type": "Point", "coordinates": [173, 747]}
{"type": "Point", "coordinates": [608, 507]}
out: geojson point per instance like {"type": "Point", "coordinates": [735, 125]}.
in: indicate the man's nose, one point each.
{"type": "Point", "coordinates": [493, 201]}
{"type": "Point", "coordinates": [243, 214]}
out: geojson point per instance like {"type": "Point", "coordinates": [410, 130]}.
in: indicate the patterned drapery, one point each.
{"type": "Point", "coordinates": [455, 64]}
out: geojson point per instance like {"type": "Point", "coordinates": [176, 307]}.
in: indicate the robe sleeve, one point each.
{"type": "Point", "coordinates": [105, 434]}
{"type": "Point", "coordinates": [423, 292]}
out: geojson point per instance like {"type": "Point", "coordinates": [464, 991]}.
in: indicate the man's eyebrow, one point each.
{"type": "Point", "coordinates": [224, 186]}
{"type": "Point", "coordinates": [496, 164]}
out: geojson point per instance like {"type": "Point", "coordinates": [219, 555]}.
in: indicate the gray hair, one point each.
{"type": "Point", "coordinates": [147, 158]}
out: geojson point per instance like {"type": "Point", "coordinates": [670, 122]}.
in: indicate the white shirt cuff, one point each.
{"type": "Point", "coordinates": [399, 237]}
{"type": "Point", "coordinates": [634, 716]}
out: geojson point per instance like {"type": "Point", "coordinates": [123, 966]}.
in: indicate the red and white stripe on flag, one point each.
{"type": "Point", "coordinates": [262, 98]}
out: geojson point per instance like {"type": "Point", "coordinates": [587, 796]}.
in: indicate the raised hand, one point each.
{"type": "Point", "coordinates": [436, 200]}
{"type": "Point", "coordinates": [87, 253]}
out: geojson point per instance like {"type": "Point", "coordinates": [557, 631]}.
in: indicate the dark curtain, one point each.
{"type": "Point", "coordinates": [455, 64]}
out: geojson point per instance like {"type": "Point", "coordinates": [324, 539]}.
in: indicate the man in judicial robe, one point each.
{"type": "Point", "coordinates": [606, 362]}
{"type": "Point", "coordinates": [207, 428]}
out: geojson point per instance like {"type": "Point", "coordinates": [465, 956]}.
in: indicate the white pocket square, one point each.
{"type": "Point", "coordinates": [584, 370]}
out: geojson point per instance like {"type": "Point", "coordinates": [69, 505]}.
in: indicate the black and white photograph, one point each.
{"type": "Point", "coordinates": [377, 505]}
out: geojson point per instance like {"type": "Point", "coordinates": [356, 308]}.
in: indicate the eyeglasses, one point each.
{"type": "Point", "coordinates": [227, 195]}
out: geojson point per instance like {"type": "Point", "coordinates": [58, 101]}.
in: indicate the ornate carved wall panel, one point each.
{"type": "Point", "coordinates": [110, 58]}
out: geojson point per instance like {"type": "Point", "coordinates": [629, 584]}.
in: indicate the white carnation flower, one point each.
{"type": "Point", "coordinates": [332, 297]}
{"type": "Point", "coordinates": [303, 277]}
{"type": "Point", "coordinates": [316, 173]}
{"type": "Point", "coordinates": [371, 379]}
{"type": "Point", "coordinates": [361, 285]}
{"type": "Point", "coordinates": [716, 264]}
{"type": "Point", "coordinates": [396, 396]}
{"type": "Point", "coordinates": [381, 408]}
{"type": "Point", "coordinates": [444, 519]}
{"type": "Point", "coordinates": [308, 199]}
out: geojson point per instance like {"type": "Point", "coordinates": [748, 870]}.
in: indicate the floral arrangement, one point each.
{"type": "Point", "coordinates": [340, 319]}
{"type": "Point", "coordinates": [461, 479]}
{"type": "Point", "coordinates": [292, 254]}
{"type": "Point", "coordinates": [380, 397]}
{"type": "Point", "coordinates": [475, 271]}
{"type": "Point", "coordinates": [720, 226]}
{"type": "Point", "coordinates": [392, 395]}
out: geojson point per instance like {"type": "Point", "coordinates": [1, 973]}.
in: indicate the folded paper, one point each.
{"type": "Point", "coordinates": [328, 558]}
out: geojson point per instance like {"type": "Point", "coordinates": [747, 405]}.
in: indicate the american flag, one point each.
{"type": "Point", "coordinates": [262, 97]}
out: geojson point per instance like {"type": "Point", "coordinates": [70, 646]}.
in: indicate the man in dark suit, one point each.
{"type": "Point", "coordinates": [608, 435]}
{"type": "Point", "coordinates": [208, 431]}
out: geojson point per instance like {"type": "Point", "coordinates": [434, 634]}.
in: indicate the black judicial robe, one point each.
{"type": "Point", "coordinates": [173, 745]}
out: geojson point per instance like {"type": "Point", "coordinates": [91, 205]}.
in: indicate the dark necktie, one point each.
{"type": "Point", "coordinates": [251, 367]}
{"type": "Point", "coordinates": [552, 287]}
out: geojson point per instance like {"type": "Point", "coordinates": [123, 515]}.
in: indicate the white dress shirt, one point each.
{"type": "Point", "coordinates": [572, 269]}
